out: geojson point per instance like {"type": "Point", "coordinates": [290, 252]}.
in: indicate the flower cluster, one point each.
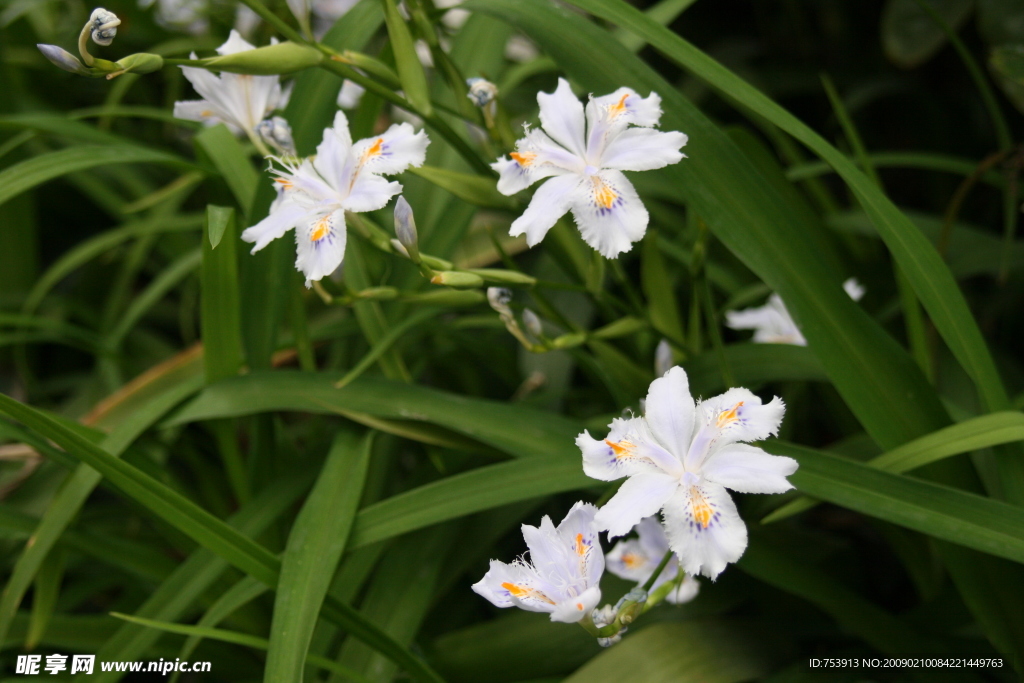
{"type": "Point", "coordinates": [679, 459]}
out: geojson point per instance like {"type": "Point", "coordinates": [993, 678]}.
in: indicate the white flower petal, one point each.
{"type": "Point", "coordinates": [550, 202]}
{"type": "Point", "coordinates": [685, 592]}
{"type": "Point", "coordinates": [740, 416]}
{"type": "Point", "coordinates": [282, 218]}
{"type": "Point", "coordinates": [350, 95]}
{"type": "Point", "coordinates": [626, 106]}
{"type": "Point", "coordinates": [235, 43]}
{"type": "Point", "coordinates": [772, 323]}
{"type": "Point", "coordinates": [573, 609]}
{"type": "Point", "coordinates": [609, 213]}
{"type": "Point", "coordinates": [670, 411]}
{"type": "Point", "coordinates": [370, 192]}
{"type": "Point", "coordinates": [333, 159]}
{"type": "Point", "coordinates": [629, 449]}
{"type": "Point", "coordinates": [320, 245]}
{"type": "Point", "coordinates": [627, 560]}
{"type": "Point", "coordinates": [561, 116]}
{"type": "Point", "coordinates": [514, 175]}
{"type": "Point", "coordinates": [195, 110]}
{"type": "Point", "coordinates": [578, 532]}
{"type": "Point", "coordinates": [643, 149]}
{"type": "Point", "coordinates": [749, 469]}
{"type": "Point", "coordinates": [854, 288]}
{"type": "Point", "coordinates": [395, 150]}
{"type": "Point", "coordinates": [704, 529]}
{"type": "Point", "coordinates": [508, 585]}
{"type": "Point", "coordinates": [640, 496]}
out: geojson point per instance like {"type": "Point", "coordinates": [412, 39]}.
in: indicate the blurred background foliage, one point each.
{"type": "Point", "coordinates": [453, 434]}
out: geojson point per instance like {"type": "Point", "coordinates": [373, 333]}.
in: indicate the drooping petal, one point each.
{"type": "Point", "coordinates": [640, 496]}
{"type": "Point", "coordinates": [573, 609]}
{"type": "Point", "coordinates": [670, 411]}
{"type": "Point", "coordinates": [609, 212]}
{"type": "Point", "coordinates": [550, 202]}
{"type": "Point", "coordinates": [370, 192]}
{"type": "Point", "coordinates": [628, 449]}
{"type": "Point", "coordinates": [561, 116]}
{"type": "Point", "coordinates": [704, 528]}
{"type": "Point", "coordinates": [393, 151]}
{"type": "Point", "coordinates": [320, 245]}
{"type": "Point", "coordinates": [578, 532]}
{"type": "Point", "coordinates": [643, 149]}
{"type": "Point", "coordinates": [195, 110]}
{"type": "Point", "coordinates": [515, 585]}
{"type": "Point", "coordinates": [282, 218]}
{"type": "Point", "coordinates": [772, 323]}
{"type": "Point", "coordinates": [749, 469]}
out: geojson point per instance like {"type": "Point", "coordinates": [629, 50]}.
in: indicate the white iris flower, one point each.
{"type": "Point", "coordinates": [562, 575]}
{"type": "Point", "coordinates": [637, 558]}
{"type": "Point", "coordinates": [343, 176]}
{"type": "Point", "coordinates": [679, 459]}
{"type": "Point", "coordinates": [584, 155]}
{"type": "Point", "coordinates": [772, 323]}
{"type": "Point", "coordinates": [240, 101]}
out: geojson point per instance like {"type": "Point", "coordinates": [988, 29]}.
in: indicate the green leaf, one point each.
{"type": "Point", "coordinates": [410, 71]}
{"type": "Point", "coordinates": [475, 189]}
{"type": "Point", "coordinates": [220, 299]}
{"type": "Point", "coordinates": [910, 37]}
{"type": "Point", "coordinates": [239, 639]}
{"type": "Point", "coordinates": [315, 545]}
{"type": "Point", "coordinates": [44, 598]}
{"type": "Point", "coordinates": [974, 434]}
{"type": "Point", "coordinates": [754, 364]}
{"type": "Point", "coordinates": [945, 513]}
{"type": "Point", "coordinates": [714, 652]}
{"type": "Point", "coordinates": [1007, 63]}
{"type": "Point", "coordinates": [201, 526]}
{"type": "Point", "coordinates": [43, 167]}
{"type": "Point", "coordinates": [229, 158]}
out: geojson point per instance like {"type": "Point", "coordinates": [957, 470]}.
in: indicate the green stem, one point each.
{"type": "Point", "coordinates": [657, 572]}
{"type": "Point", "coordinates": [278, 23]}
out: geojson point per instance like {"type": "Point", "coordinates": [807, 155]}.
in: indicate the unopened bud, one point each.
{"type": "Point", "coordinates": [63, 59]}
{"type": "Point", "coordinates": [397, 246]}
{"type": "Point", "coordinates": [456, 278]}
{"type": "Point", "coordinates": [499, 298]}
{"type": "Point", "coordinates": [512, 277]}
{"type": "Point", "coordinates": [270, 60]}
{"type": "Point", "coordinates": [532, 323]}
{"type": "Point", "coordinates": [103, 26]}
{"type": "Point", "coordinates": [568, 341]}
{"type": "Point", "coordinates": [405, 228]}
{"type": "Point", "coordinates": [482, 92]}
{"type": "Point", "coordinates": [631, 605]}
{"type": "Point", "coordinates": [278, 134]}
{"type": "Point", "coordinates": [663, 360]}
{"type": "Point", "coordinates": [138, 63]}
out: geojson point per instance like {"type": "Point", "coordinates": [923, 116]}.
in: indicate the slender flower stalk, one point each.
{"type": "Point", "coordinates": [583, 154]}
{"type": "Point", "coordinates": [641, 558]}
{"type": "Point", "coordinates": [679, 459]}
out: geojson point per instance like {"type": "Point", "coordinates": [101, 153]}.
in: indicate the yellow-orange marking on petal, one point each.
{"type": "Point", "coordinates": [622, 448]}
{"type": "Point", "coordinates": [727, 417]}
{"type": "Point", "coordinates": [322, 228]}
{"type": "Point", "coordinates": [581, 547]}
{"type": "Point", "coordinates": [631, 560]}
{"type": "Point", "coordinates": [619, 107]}
{"type": "Point", "coordinates": [523, 158]}
{"type": "Point", "coordinates": [604, 195]}
{"type": "Point", "coordinates": [579, 605]}
{"type": "Point", "coordinates": [285, 182]}
{"type": "Point", "coordinates": [374, 150]}
{"type": "Point", "coordinates": [525, 592]}
{"type": "Point", "coordinates": [700, 507]}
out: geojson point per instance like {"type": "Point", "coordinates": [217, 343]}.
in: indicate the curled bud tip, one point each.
{"type": "Point", "coordinates": [103, 26]}
{"type": "Point", "coordinates": [405, 224]}
{"type": "Point", "coordinates": [499, 298]}
{"type": "Point", "coordinates": [63, 59]}
{"type": "Point", "coordinates": [278, 134]}
{"type": "Point", "coordinates": [482, 92]}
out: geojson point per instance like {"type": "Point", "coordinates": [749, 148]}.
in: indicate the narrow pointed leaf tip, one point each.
{"type": "Point", "coordinates": [679, 459]}
{"type": "Point", "coordinates": [583, 153]}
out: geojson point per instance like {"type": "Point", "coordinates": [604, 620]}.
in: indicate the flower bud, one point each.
{"type": "Point", "coordinates": [568, 341]}
{"type": "Point", "coordinates": [63, 59]}
{"type": "Point", "coordinates": [278, 134]}
{"type": "Point", "coordinates": [499, 299]}
{"type": "Point", "coordinates": [663, 360]}
{"type": "Point", "coordinates": [482, 92]}
{"type": "Point", "coordinates": [138, 63]}
{"type": "Point", "coordinates": [103, 26]}
{"type": "Point", "coordinates": [532, 323]}
{"type": "Point", "coordinates": [631, 605]}
{"type": "Point", "coordinates": [455, 278]}
{"type": "Point", "coordinates": [397, 246]}
{"type": "Point", "coordinates": [270, 60]}
{"type": "Point", "coordinates": [503, 276]}
{"type": "Point", "coordinates": [405, 228]}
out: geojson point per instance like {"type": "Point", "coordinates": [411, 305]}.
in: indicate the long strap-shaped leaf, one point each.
{"type": "Point", "coordinates": [205, 529]}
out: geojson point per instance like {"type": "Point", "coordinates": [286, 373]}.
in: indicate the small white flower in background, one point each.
{"type": "Point", "coordinates": [350, 94]}
{"type": "Point", "coordinates": [184, 15]}
{"type": "Point", "coordinates": [637, 558]}
{"type": "Point", "coordinates": [663, 360]}
{"type": "Point", "coordinates": [343, 176]}
{"type": "Point", "coordinates": [518, 48]}
{"type": "Point", "coordinates": [482, 92]}
{"type": "Point", "coordinates": [453, 18]}
{"type": "Point", "coordinates": [239, 100]}
{"type": "Point", "coordinates": [562, 575]}
{"type": "Point", "coordinates": [680, 458]}
{"type": "Point", "coordinates": [772, 323]}
{"type": "Point", "coordinates": [584, 155]}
